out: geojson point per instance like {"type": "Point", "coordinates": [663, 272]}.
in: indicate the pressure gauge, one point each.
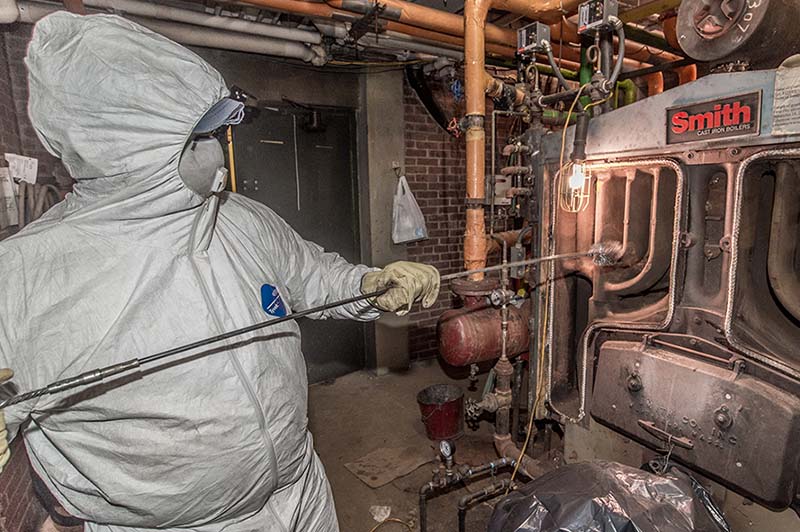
{"type": "Point", "coordinates": [447, 449]}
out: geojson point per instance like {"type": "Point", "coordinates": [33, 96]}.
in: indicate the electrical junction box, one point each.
{"type": "Point", "coordinates": [594, 15]}
{"type": "Point", "coordinates": [530, 38]}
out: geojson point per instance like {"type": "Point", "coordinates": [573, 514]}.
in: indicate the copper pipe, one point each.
{"type": "Point", "coordinates": [475, 12]}
{"type": "Point", "coordinates": [567, 32]}
{"type": "Point", "coordinates": [494, 88]}
{"type": "Point", "coordinates": [686, 74]}
{"type": "Point", "coordinates": [510, 237]}
{"type": "Point", "coordinates": [316, 9]}
{"type": "Point", "coordinates": [433, 24]}
{"type": "Point", "coordinates": [655, 83]}
{"type": "Point", "coordinates": [428, 18]}
{"type": "Point", "coordinates": [491, 49]}
{"type": "Point", "coordinates": [549, 11]}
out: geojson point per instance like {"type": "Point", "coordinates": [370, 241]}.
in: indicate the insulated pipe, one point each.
{"type": "Point", "coordinates": [655, 83]}
{"type": "Point", "coordinates": [163, 12]}
{"type": "Point", "coordinates": [322, 10]}
{"type": "Point", "coordinates": [494, 88]}
{"type": "Point", "coordinates": [425, 17]}
{"type": "Point", "coordinates": [9, 12]}
{"type": "Point", "coordinates": [397, 43]}
{"type": "Point", "coordinates": [686, 74]}
{"type": "Point", "coordinates": [198, 36]}
{"type": "Point", "coordinates": [549, 11]}
{"type": "Point", "coordinates": [475, 12]}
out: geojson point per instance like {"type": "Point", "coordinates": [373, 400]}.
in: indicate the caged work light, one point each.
{"type": "Point", "coordinates": [574, 181]}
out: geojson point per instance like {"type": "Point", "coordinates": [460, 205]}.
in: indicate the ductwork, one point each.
{"type": "Point", "coordinates": [30, 12]}
{"type": "Point", "coordinates": [9, 12]}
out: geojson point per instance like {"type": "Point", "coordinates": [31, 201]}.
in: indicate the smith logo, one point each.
{"type": "Point", "coordinates": [730, 117]}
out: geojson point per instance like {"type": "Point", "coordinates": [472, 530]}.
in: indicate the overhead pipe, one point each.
{"type": "Point", "coordinates": [31, 12]}
{"type": "Point", "coordinates": [441, 26]}
{"type": "Point", "coordinates": [425, 17]}
{"type": "Point", "coordinates": [9, 12]}
{"type": "Point", "coordinates": [163, 12]}
{"type": "Point", "coordinates": [325, 11]}
{"type": "Point", "coordinates": [397, 42]}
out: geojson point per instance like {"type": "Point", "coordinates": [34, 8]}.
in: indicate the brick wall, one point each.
{"type": "Point", "coordinates": [20, 509]}
{"type": "Point", "coordinates": [16, 132]}
{"type": "Point", "coordinates": [435, 168]}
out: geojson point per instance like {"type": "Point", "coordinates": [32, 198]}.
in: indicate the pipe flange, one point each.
{"type": "Point", "coordinates": [469, 288]}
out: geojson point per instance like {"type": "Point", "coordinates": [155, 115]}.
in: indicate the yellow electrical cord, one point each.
{"type": "Point", "coordinates": [599, 102]}
{"type": "Point", "coordinates": [230, 160]}
{"type": "Point", "coordinates": [532, 413]}
{"type": "Point", "coordinates": [392, 520]}
{"type": "Point", "coordinates": [536, 403]}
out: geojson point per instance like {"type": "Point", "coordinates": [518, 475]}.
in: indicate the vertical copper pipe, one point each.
{"type": "Point", "coordinates": [686, 74]}
{"type": "Point", "coordinates": [655, 84]}
{"type": "Point", "coordinates": [475, 83]}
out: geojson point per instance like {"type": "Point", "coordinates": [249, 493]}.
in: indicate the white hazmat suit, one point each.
{"type": "Point", "coordinates": [132, 263]}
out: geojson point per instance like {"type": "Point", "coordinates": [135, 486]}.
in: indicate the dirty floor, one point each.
{"type": "Point", "coordinates": [360, 413]}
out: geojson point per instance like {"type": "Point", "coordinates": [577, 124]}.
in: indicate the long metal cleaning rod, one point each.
{"type": "Point", "coordinates": [517, 264]}
{"type": "Point", "coordinates": [99, 374]}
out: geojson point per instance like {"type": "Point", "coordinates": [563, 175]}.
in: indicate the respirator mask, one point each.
{"type": "Point", "coordinates": [202, 166]}
{"type": "Point", "coordinates": [202, 162]}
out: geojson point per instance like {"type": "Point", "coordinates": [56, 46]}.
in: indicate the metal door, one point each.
{"type": "Point", "coordinates": [303, 167]}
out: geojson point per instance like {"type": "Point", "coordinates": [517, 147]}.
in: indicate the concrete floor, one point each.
{"type": "Point", "coordinates": [360, 413]}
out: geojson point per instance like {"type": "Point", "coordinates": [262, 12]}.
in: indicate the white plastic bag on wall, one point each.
{"type": "Point", "coordinates": [408, 223]}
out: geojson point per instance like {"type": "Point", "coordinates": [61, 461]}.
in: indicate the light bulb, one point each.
{"type": "Point", "coordinates": [578, 177]}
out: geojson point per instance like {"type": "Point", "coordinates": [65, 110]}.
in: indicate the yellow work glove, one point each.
{"type": "Point", "coordinates": [410, 282]}
{"type": "Point", "coordinates": [5, 452]}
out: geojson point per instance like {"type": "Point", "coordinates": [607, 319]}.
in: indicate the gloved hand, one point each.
{"type": "Point", "coordinates": [5, 452]}
{"type": "Point", "coordinates": [410, 282]}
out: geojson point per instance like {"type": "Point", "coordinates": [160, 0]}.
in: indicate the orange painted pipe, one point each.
{"type": "Point", "coordinates": [686, 74]}
{"type": "Point", "coordinates": [475, 12]}
{"type": "Point", "coordinates": [428, 18]}
{"type": "Point", "coordinates": [549, 11]}
{"type": "Point", "coordinates": [655, 83]}
{"type": "Point", "coordinates": [305, 8]}
{"type": "Point", "coordinates": [491, 49]}
{"type": "Point", "coordinates": [493, 88]}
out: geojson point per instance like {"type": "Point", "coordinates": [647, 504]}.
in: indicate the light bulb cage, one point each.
{"type": "Point", "coordinates": [573, 199]}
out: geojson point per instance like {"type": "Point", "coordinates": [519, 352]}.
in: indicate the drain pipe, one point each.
{"type": "Point", "coordinates": [9, 13]}
{"type": "Point", "coordinates": [31, 12]}
{"type": "Point", "coordinates": [163, 12]}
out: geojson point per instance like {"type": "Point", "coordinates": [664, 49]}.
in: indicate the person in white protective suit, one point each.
{"type": "Point", "coordinates": [146, 254]}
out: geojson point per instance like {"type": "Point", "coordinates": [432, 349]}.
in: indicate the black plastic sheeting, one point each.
{"type": "Point", "coordinates": [608, 497]}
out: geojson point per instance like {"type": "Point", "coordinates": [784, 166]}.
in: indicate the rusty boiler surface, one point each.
{"type": "Point", "coordinates": [713, 414]}
{"type": "Point", "coordinates": [469, 335]}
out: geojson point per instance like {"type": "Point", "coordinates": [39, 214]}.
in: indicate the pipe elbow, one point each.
{"type": "Point", "coordinates": [508, 449]}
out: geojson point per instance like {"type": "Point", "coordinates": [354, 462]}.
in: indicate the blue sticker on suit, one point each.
{"type": "Point", "coordinates": [271, 301]}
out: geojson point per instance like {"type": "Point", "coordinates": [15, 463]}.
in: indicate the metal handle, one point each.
{"type": "Point", "coordinates": [663, 435]}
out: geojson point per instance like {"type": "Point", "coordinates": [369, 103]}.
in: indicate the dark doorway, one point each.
{"type": "Point", "coordinates": [301, 163]}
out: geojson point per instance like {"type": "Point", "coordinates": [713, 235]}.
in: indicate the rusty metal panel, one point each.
{"type": "Point", "coordinates": [713, 414]}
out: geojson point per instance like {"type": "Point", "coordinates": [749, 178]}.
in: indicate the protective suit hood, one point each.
{"type": "Point", "coordinates": [87, 103]}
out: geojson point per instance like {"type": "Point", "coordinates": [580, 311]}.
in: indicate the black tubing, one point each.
{"type": "Point", "coordinates": [620, 56]}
